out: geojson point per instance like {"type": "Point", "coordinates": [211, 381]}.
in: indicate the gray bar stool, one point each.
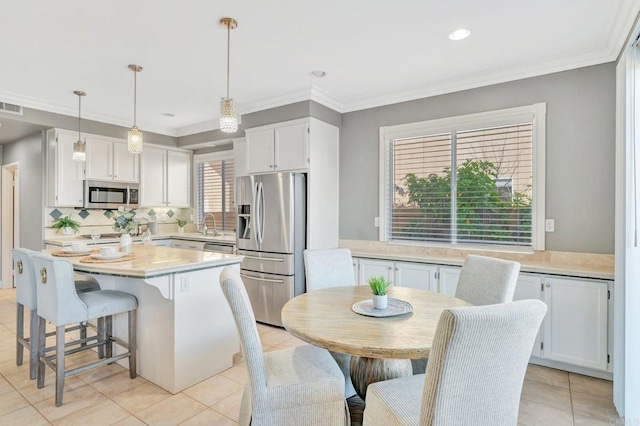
{"type": "Point", "coordinates": [59, 303]}
{"type": "Point", "coordinates": [26, 297]}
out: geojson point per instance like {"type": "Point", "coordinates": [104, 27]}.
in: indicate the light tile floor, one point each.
{"type": "Point", "coordinates": [106, 396]}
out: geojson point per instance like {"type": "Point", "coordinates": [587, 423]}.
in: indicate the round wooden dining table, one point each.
{"type": "Point", "coordinates": [381, 348]}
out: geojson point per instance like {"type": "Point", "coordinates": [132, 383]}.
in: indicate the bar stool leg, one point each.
{"type": "Point", "coordinates": [33, 344]}
{"type": "Point", "coordinates": [59, 364]}
{"type": "Point", "coordinates": [108, 333]}
{"type": "Point", "coordinates": [42, 331]}
{"type": "Point", "coordinates": [133, 329]}
{"type": "Point", "coordinates": [101, 337]}
{"type": "Point", "coordinates": [83, 333]}
{"type": "Point", "coordinates": [19, 332]}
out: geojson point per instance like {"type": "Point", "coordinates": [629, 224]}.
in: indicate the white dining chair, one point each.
{"type": "Point", "coordinates": [475, 373]}
{"type": "Point", "coordinates": [483, 281]}
{"type": "Point", "coordinates": [487, 281]}
{"type": "Point", "coordinates": [328, 268]}
{"type": "Point", "coordinates": [295, 386]}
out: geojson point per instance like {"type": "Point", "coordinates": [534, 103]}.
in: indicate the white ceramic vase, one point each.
{"type": "Point", "coordinates": [380, 302]}
{"type": "Point", "coordinates": [180, 229]}
{"type": "Point", "coordinates": [67, 231]}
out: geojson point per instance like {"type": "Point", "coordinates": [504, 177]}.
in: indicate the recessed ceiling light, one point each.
{"type": "Point", "coordinates": [459, 34]}
{"type": "Point", "coordinates": [168, 114]}
{"type": "Point", "coordinates": [318, 74]}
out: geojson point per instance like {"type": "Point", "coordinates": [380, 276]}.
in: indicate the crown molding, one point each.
{"type": "Point", "coordinates": [488, 79]}
{"type": "Point", "coordinates": [41, 105]}
{"type": "Point", "coordinates": [622, 25]}
{"type": "Point", "coordinates": [320, 96]}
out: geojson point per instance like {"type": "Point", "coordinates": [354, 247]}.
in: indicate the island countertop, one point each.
{"type": "Point", "coordinates": [153, 261]}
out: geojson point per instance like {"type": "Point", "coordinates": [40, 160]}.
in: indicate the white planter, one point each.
{"type": "Point", "coordinates": [67, 231]}
{"type": "Point", "coordinates": [380, 302]}
{"type": "Point", "coordinates": [181, 230]}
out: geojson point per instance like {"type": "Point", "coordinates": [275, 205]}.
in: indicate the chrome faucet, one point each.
{"type": "Point", "coordinates": [205, 231]}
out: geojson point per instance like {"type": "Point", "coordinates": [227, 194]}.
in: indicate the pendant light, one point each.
{"type": "Point", "coordinates": [134, 138]}
{"type": "Point", "coordinates": [228, 116]}
{"type": "Point", "coordinates": [79, 147]}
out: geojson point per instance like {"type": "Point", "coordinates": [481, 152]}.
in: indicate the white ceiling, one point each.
{"type": "Point", "coordinates": [374, 52]}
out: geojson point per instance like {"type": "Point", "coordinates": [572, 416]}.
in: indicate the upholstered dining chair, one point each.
{"type": "Point", "coordinates": [475, 372]}
{"type": "Point", "coordinates": [296, 386]}
{"type": "Point", "coordinates": [327, 268]}
{"type": "Point", "coordinates": [487, 281]}
{"type": "Point", "coordinates": [483, 281]}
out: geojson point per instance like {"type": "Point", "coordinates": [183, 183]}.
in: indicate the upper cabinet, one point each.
{"type": "Point", "coordinates": [109, 159]}
{"type": "Point", "coordinates": [165, 178]}
{"type": "Point", "coordinates": [64, 175]}
{"type": "Point", "coordinates": [281, 147]}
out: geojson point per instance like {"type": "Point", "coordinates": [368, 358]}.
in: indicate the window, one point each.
{"type": "Point", "coordinates": [215, 193]}
{"type": "Point", "coordinates": [475, 180]}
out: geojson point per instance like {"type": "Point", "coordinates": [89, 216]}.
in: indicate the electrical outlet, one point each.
{"type": "Point", "coordinates": [376, 222]}
{"type": "Point", "coordinates": [184, 284]}
{"type": "Point", "coordinates": [549, 225]}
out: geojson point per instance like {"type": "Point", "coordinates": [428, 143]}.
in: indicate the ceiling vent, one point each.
{"type": "Point", "coordinates": [10, 108]}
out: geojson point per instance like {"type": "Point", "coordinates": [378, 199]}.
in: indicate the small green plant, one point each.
{"type": "Point", "coordinates": [64, 222]}
{"type": "Point", "coordinates": [379, 285]}
{"type": "Point", "coordinates": [181, 222]}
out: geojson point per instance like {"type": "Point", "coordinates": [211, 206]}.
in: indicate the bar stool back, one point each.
{"type": "Point", "coordinates": [26, 296]}
{"type": "Point", "coordinates": [59, 303]}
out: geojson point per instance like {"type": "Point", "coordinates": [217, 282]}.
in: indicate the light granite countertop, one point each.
{"type": "Point", "coordinates": [151, 261]}
{"type": "Point", "coordinates": [583, 265]}
{"type": "Point", "coordinates": [66, 240]}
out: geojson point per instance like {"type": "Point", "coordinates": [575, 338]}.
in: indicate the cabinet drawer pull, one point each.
{"type": "Point", "coordinates": [262, 279]}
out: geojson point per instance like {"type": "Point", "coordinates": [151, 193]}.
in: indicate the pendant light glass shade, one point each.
{"type": "Point", "coordinates": [134, 136]}
{"type": "Point", "coordinates": [79, 147]}
{"type": "Point", "coordinates": [134, 140]}
{"type": "Point", "coordinates": [228, 115]}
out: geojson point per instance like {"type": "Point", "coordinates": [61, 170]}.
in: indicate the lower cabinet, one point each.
{"type": "Point", "coordinates": [190, 245]}
{"type": "Point", "coordinates": [574, 331]}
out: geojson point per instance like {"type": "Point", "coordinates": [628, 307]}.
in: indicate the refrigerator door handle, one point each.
{"type": "Point", "coordinates": [261, 195]}
{"type": "Point", "coordinates": [261, 279]}
{"type": "Point", "coordinates": [256, 213]}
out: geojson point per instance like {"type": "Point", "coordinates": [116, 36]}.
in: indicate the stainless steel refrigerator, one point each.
{"type": "Point", "coordinates": [271, 235]}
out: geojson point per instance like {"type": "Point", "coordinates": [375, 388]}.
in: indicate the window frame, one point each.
{"type": "Point", "coordinates": [205, 158]}
{"type": "Point", "coordinates": [536, 113]}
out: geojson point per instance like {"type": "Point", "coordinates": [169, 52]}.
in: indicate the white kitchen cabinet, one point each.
{"type": "Point", "coordinates": [165, 178]}
{"type": "Point", "coordinates": [109, 159]}
{"type": "Point", "coordinates": [448, 280]}
{"type": "Point", "coordinates": [575, 327]}
{"type": "Point", "coordinates": [161, 243]}
{"type": "Point", "coordinates": [189, 245]}
{"type": "Point", "coordinates": [281, 147]}
{"type": "Point", "coordinates": [416, 275]}
{"type": "Point", "coordinates": [402, 274]}
{"type": "Point", "coordinates": [530, 287]}
{"type": "Point", "coordinates": [64, 175]}
{"type": "Point", "coordinates": [369, 268]}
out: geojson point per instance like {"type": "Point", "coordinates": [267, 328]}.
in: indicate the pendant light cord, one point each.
{"type": "Point", "coordinates": [228, 50]}
{"type": "Point", "coordinates": [135, 93]}
{"type": "Point", "coordinates": [79, 114]}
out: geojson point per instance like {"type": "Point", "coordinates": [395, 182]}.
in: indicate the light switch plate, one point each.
{"type": "Point", "coordinates": [376, 222]}
{"type": "Point", "coordinates": [549, 225]}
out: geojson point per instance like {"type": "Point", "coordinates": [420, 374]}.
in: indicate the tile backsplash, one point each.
{"type": "Point", "coordinates": [102, 220]}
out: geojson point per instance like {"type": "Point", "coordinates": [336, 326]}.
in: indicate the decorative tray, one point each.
{"type": "Point", "coordinates": [394, 307]}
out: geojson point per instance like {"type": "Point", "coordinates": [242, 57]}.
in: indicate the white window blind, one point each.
{"type": "Point", "coordinates": [216, 195]}
{"type": "Point", "coordinates": [463, 187]}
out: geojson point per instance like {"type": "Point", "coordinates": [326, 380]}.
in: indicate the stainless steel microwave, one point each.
{"type": "Point", "coordinates": [100, 194]}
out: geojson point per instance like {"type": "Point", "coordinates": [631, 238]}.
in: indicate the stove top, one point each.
{"type": "Point", "coordinates": [107, 235]}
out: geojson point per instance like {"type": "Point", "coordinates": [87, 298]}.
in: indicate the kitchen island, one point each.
{"type": "Point", "coordinates": [186, 332]}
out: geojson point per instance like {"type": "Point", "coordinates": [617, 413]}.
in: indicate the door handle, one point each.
{"type": "Point", "coordinates": [269, 280]}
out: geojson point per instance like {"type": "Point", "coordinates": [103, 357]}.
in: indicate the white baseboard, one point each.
{"type": "Point", "coordinates": [572, 368]}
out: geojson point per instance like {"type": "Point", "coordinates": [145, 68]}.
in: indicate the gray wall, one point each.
{"type": "Point", "coordinates": [579, 160]}
{"type": "Point", "coordinates": [27, 153]}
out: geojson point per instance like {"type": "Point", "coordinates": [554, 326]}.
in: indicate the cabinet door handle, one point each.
{"type": "Point", "coordinates": [548, 285]}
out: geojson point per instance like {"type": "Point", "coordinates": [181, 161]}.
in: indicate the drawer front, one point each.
{"type": "Point", "coordinates": [268, 294]}
{"type": "Point", "coordinates": [271, 263]}
{"type": "Point", "coordinates": [190, 245]}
